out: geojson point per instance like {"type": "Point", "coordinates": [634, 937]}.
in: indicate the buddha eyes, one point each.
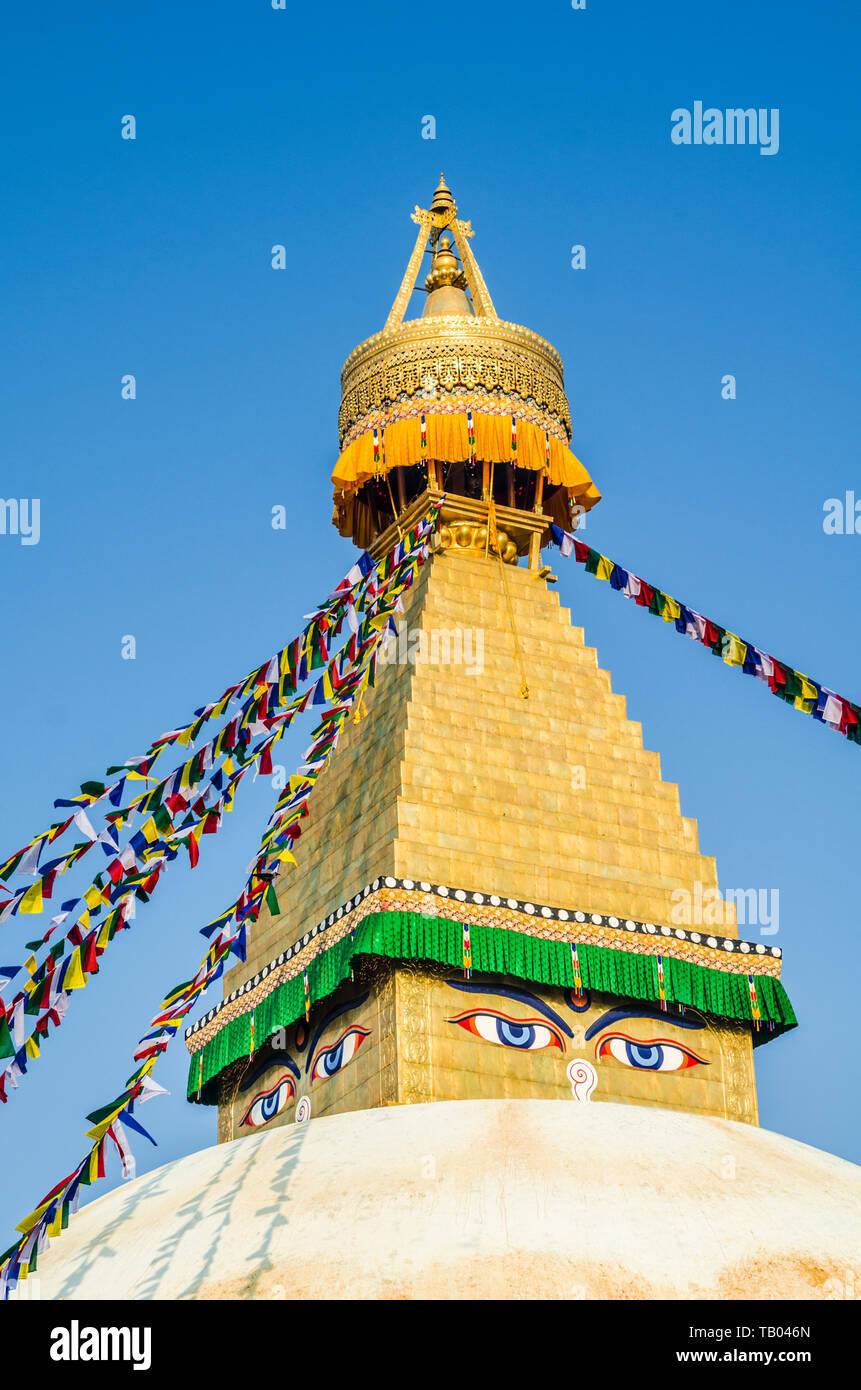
{"type": "Point", "coordinates": [527, 1034]}
{"type": "Point", "coordinates": [330, 1060]}
{"type": "Point", "coordinates": [658, 1055]}
{"type": "Point", "coordinates": [268, 1104]}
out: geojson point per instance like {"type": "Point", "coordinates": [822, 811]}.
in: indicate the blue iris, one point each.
{"type": "Point", "coordinates": [515, 1034]}
{"type": "Point", "coordinates": [332, 1060]}
{"type": "Point", "coordinates": [269, 1104]}
{"type": "Point", "coordinates": [649, 1057]}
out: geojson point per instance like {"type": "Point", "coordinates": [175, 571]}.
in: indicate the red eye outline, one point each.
{"type": "Point", "coordinates": [261, 1095]}
{"type": "Point", "coordinates": [353, 1028]}
{"type": "Point", "coordinates": [467, 1022]}
{"type": "Point", "coordinates": [691, 1058]}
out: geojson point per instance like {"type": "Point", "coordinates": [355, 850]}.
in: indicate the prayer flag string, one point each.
{"type": "Point", "coordinates": [51, 1216]}
{"type": "Point", "coordinates": [798, 690]}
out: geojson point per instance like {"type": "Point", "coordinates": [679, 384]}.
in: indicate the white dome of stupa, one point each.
{"type": "Point", "coordinates": [476, 1199]}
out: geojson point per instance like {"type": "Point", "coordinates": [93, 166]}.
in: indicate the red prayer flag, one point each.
{"type": "Point", "coordinates": [90, 960]}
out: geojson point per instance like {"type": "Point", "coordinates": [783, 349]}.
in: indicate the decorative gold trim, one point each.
{"type": "Point", "coordinates": [440, 353]}
{"type": "Point", "coordinates": [457, 402]}
{"type": "Point", "coordinates": [728, 954]}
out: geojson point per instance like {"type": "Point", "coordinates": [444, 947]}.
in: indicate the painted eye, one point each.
{"type": "Point", "coordinates": [528, 1034]}
{"type": "Point", "coordinates": [658, 1055]}
{"type": "Point", "coordinates": [268, 1104]}
{"type": "Point", "coordinates": [331, 1059]}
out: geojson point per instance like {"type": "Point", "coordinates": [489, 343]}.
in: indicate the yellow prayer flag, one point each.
{"type": "Point", "coordinates": [32, 899]}
{"type": "Point", "coordinates": [671, 611]}
{"type": "Point", "coordinates": [734, 650]}
{"type": "Point", "coordinates": [29, 1221]}
{"type": "Point", "coordinates": [56, 1226]}
{"type": "Point", "coordinates": [31, 1047]}
{"type": "Point", "coordinates": [75, 977]}
{"type": "Point", "coordinates": [604, 567]}
{"type": "Point", "coordinates": [149, 830]}
{"type": "Point", "coordinates": [99, 1130]}
{"type": "Point", "coordinates": [92, 897]}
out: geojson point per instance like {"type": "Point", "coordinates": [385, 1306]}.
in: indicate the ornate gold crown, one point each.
{"type": "Point", "coordinates": [456, 348]}
{"type": "Point", "coordinates": [457, 400]}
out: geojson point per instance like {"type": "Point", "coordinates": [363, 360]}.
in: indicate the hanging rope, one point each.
{"type": "Point", "coordinates": [394, 508]}
{"type": "Point", "coordinates": [491, 525]}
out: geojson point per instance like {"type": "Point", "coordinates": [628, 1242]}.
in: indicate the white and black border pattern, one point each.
{"type": "Point", "coordinates": [567, 917]}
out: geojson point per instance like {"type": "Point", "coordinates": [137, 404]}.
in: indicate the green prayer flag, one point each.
{"type": "Point", "coordinates": [658, 602]}
{"type": "Point", "coordinates": [592, 559]}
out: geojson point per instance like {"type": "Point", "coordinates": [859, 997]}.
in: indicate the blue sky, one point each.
{"type": "Point", "coordinates": [152, 257]}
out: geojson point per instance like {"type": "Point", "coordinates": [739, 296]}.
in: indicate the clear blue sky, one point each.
{"type": "Point", "coordinates": [152, 257]}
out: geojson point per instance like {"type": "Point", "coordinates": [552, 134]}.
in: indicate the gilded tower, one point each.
{"type": "Point", "coordinates": [484, 903]}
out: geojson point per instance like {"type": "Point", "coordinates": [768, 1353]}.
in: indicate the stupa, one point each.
{"type": "Point", "coordinates": [472, 1053]}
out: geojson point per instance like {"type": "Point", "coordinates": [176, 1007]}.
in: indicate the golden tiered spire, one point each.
{"type": "Point", "coordinates": [440, 217]}
{"type": "Point", "coordinates": [443, 200]}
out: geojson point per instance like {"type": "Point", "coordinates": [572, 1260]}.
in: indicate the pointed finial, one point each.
{"type": "Point", "coordinates": [442, 198]}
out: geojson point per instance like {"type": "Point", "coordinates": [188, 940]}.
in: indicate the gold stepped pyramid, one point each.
{"type": "Point", "coordinates": [552, 797]}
